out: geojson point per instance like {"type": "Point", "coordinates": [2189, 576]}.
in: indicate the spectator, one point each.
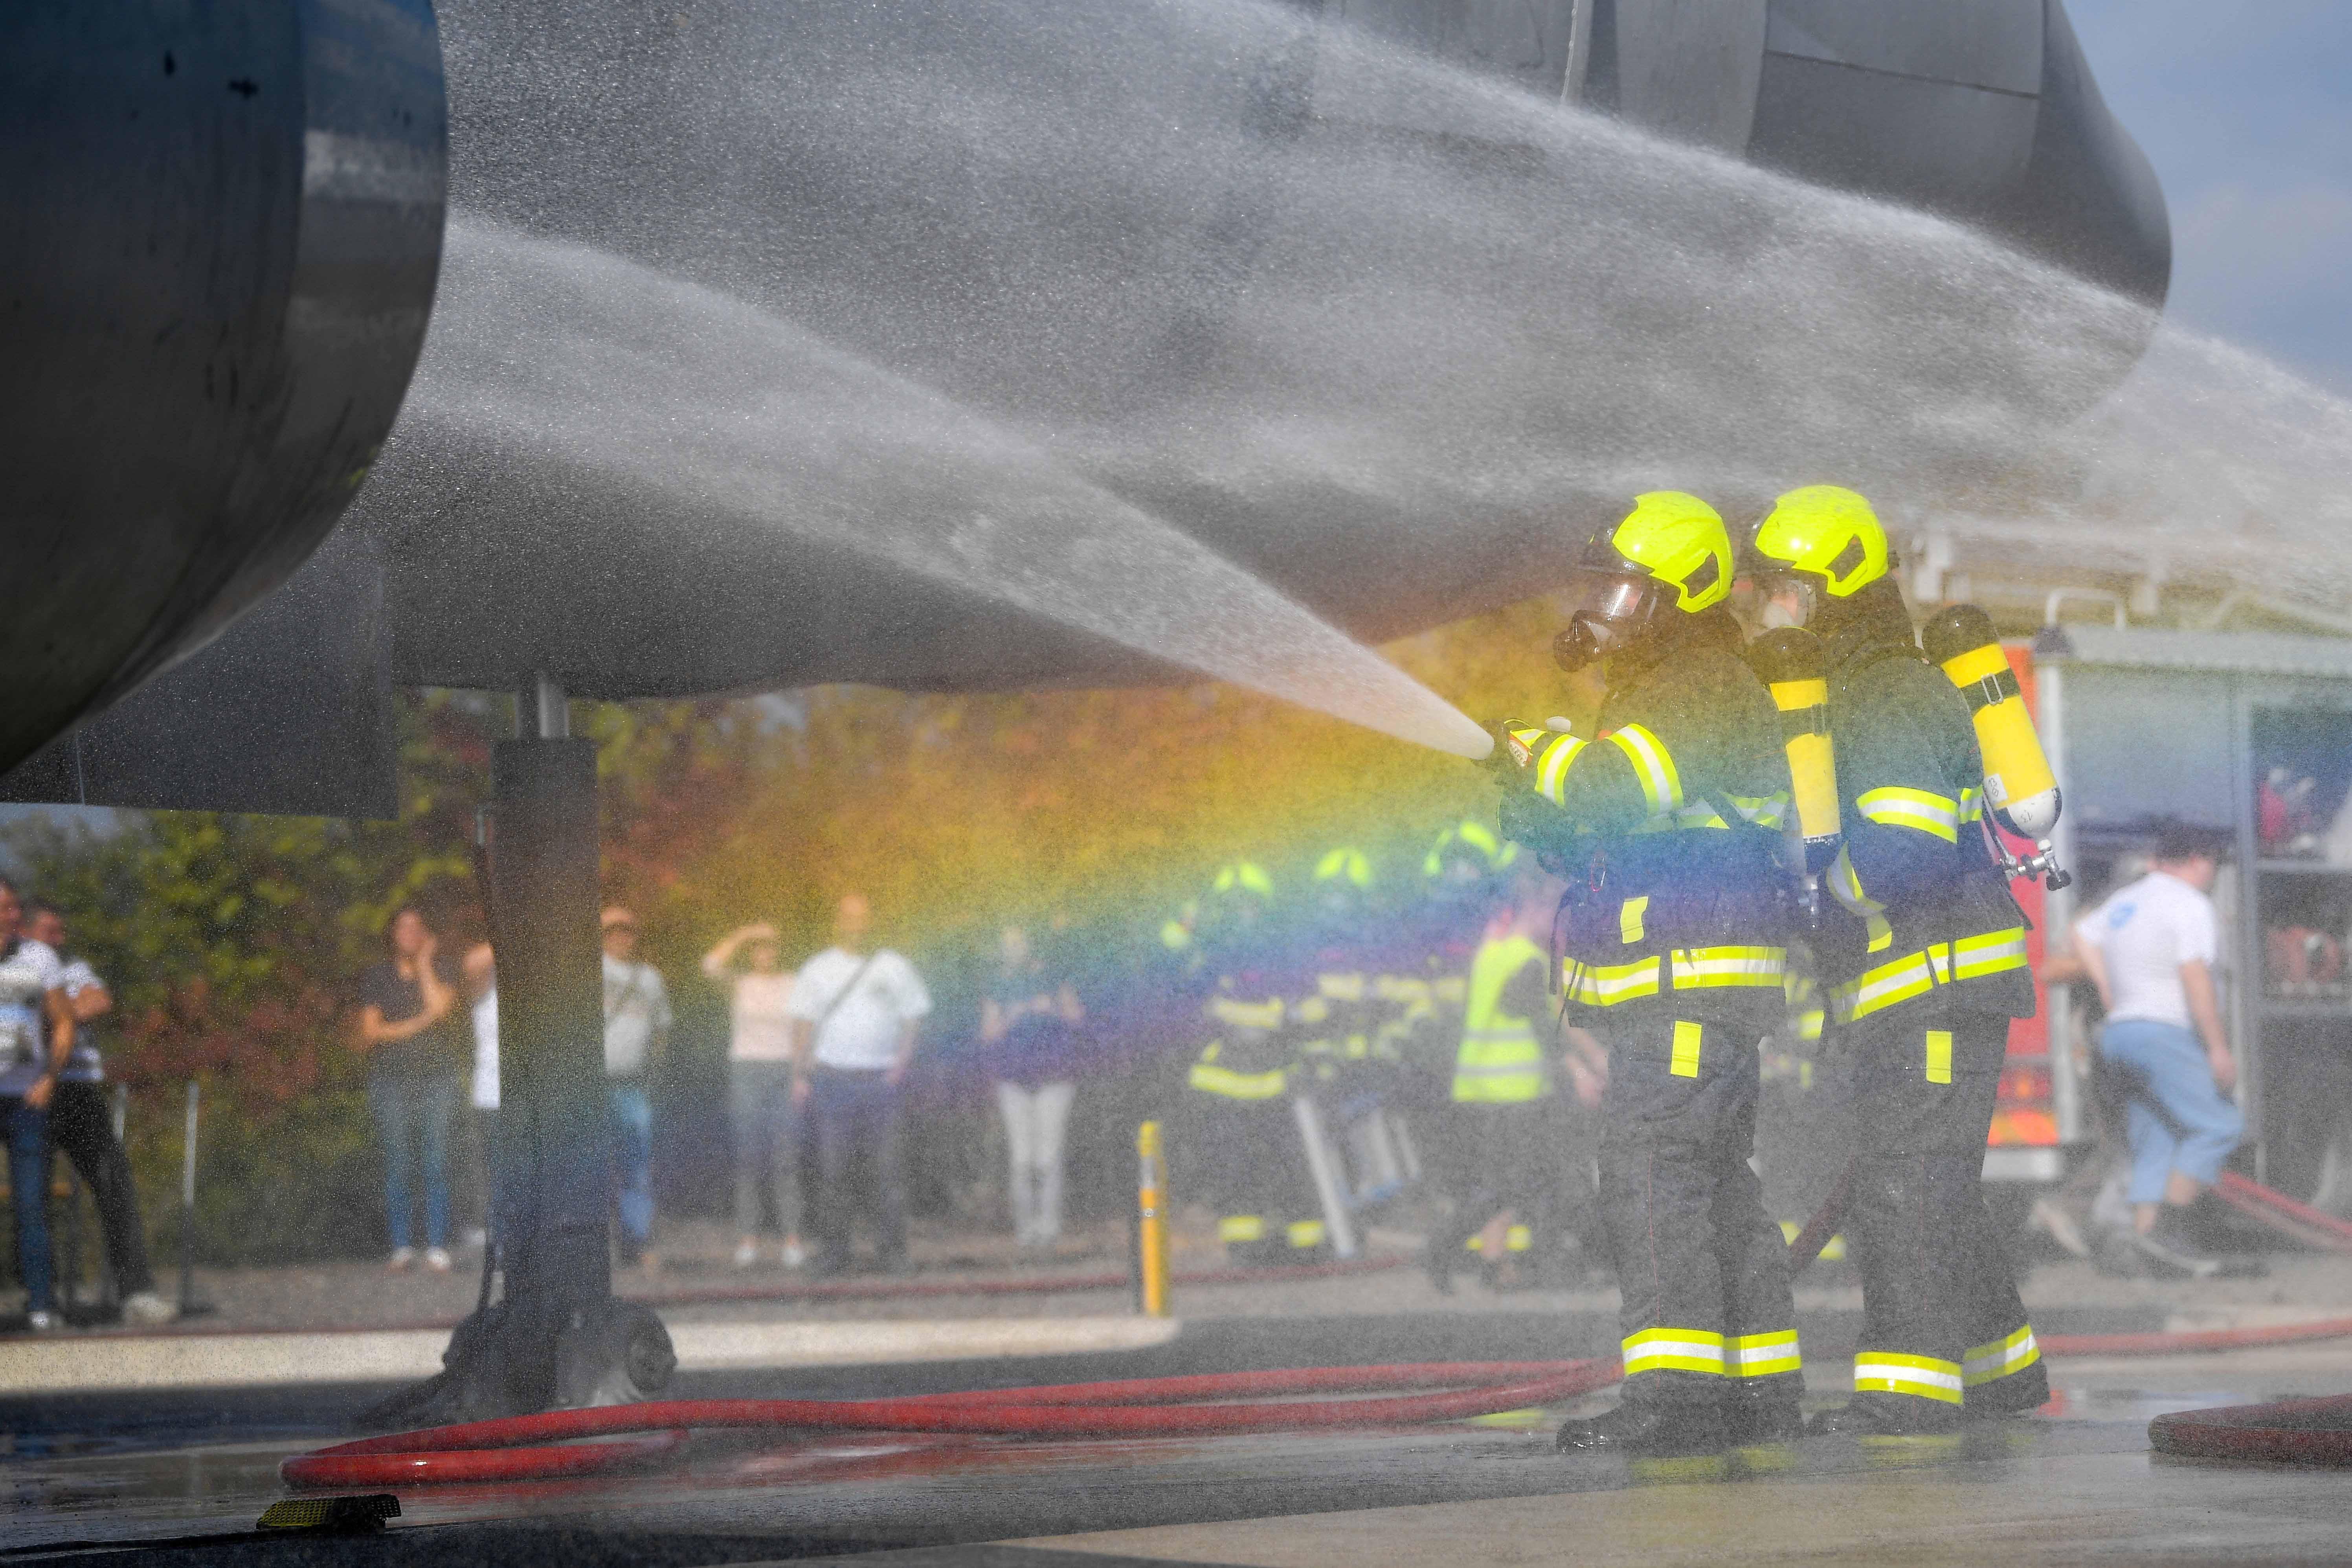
{"type": "Point", "coordinates": [856, 1010]}
{"type": "Point", "coordinates": [81, 1125]}
{"type": "Point", "coordinates": [1027, 1026]}
{"type": "Point", "coordinates": [2150, 950]}
{"type": "Point", "coordinates": [36, 1040]}
{"type": "Point", "coordinates": [482, 987]}
{"type": "Point", "coordinates": [759, 1110]}
{"type": "Point", "coordinates": [408, 1031]}
{"type": "Point", "coordinates": [637, 1022]}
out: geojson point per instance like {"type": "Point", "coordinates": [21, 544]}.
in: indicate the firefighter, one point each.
{"type": "Point", "coordinates": [1334, 1009]}
{"type": "Point", "coordinates": [1668, 824]}
{"type": "Point", "coordinates": [1246, 1155]}
{"type": "Point", "coordinates": [1922, 955]}
{"type": "Point", "coordinates": [1502, 1081]}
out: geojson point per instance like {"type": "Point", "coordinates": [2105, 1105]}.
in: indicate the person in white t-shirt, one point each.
{"type": "Point", "coordinates": [36, 1040]}
{"type": "Point", "coordinates": [637, 1022]}
{"type": "Point", "coordinates": [2150, 949]}
{"type": "Point", "coordinates": [856, 1013]}
{"type": "Point", "coordinates": [748, 964]}
{"type": "Point", "coordinates": [482, 990]}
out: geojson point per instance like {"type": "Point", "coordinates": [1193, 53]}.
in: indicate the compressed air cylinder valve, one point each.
{"type": "Point", "coordinates": [2019, 785]}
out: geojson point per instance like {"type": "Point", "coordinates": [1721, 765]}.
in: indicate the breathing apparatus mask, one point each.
{"type": "Point", "coordinates": [1616, 609]}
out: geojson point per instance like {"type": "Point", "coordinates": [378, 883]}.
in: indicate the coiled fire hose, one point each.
{"type": "Point", "coordinates": [548, 1446]}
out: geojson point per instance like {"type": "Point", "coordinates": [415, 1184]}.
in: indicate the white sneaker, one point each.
{"type": "Point", "coordinates": [42, 1322]}
{"type": "Point", "coordinates": [746, 1253]}
{"type": "Point", "coordinates": [795, 1256]}
{"type": "Point", "coordinates": [146, 1307]}
{"type": "Point", "coordinates": [437, 1260]}
{"type": "Point", "coordinates": [401, 1259]}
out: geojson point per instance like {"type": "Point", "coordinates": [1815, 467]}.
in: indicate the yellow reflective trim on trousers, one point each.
{"type": "Point", "coordinates": [1350, 987]}
{"type": "Point", "coordinates": [1241, 1228]}
{"type": "Point", "coordinates": [1765, 1356]}
{"type": "Point", "coordinates": [1895, 807]}
{"type": "Point", "coordinates": [1606, 984]}
{"type": "Point", "coordinates": [1246, 1015]}
{"type": "Point", "coordinates": [1629, 919]}
{"type": "Point", "coordinates": [1687, 1036]}
{"type": "Point", "coordinates": [1705, 968]}
{"type": "Point", "coordinates": [1551, 765]}
{"type": "Point", "coordinates": [1940, 1056]}
{"type": "Point", "coordinates": [1305, 1233]}
{"type": "Point", "coordinates": [1987, 1363]}
{"type": "Point", "coordinates": [1922, 1377]}
{"type": "Point", "coordinates": [1515, 1239]}
{"type": "Point", "coordinates": [1661, 786]}
{"type": "Point", "coordinates": [1210, 1078]}
{"type": "Point", "coordinates": [1674, 1350]}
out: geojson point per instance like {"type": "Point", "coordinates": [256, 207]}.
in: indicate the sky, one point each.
{"type": "Point", "coordinates": [2245, 110]}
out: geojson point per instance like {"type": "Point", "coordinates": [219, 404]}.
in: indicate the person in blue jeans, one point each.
{"type": "Point", "coordinates": [37, 1036]}
{"type": "Point", "coordinates": [637, 1022]}
{"type": "Point", "coordinates": [2150, 950]}
{"type": "Point", "coordinates": [410, 1030]}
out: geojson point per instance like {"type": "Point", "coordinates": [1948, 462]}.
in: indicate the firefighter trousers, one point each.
{"type": "Point", "coordinates": [1249, 1165]}
{"type": "Point", "coordinates": [1943, 1328]}
{"type": "Point", "coordinates": [1702, 1272]}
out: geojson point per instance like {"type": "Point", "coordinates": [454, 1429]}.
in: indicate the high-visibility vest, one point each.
{"type": "Point", "coordinates": [1501, 1061]}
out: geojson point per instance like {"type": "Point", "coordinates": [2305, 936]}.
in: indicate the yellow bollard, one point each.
{"type": "Point", "coordinates": [1152, 1212]}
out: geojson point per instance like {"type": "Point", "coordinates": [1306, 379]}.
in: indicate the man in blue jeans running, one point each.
{"type": "Point", "coordinates": [2150, 951]}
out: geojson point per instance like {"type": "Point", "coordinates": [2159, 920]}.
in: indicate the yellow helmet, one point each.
{"type": "Point", "coordinates": [1668, 541]}
{"type": "Point", "coordinates": [1679, 540]}
{"type": "Point", "coordinates": [1828, 532]}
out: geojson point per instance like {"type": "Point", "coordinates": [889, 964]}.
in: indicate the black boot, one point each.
{"type": "Point", "coordinates": [2019, 1393]}
{"type": "Point", "coordinates": [1648, 1431]}
{"type": "Point", "coordinates": [1437, 1262]}
{"type": "Point", "coordinates": [1751, 1419]}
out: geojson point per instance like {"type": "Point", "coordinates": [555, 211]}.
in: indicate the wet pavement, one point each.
{"type": "Point", "coordinates": [2072, 1484]}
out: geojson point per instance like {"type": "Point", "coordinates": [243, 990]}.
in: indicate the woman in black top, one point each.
{"type": "Point", "coordinates": [1028, 1027]}
{"type": "Point", "coordinates": [408, 1031]}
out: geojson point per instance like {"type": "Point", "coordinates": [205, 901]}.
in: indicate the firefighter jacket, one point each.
{"type": "Point", "coordinates": [1666, 826]}
{"type": "Point", "coordinates": [1252, 1050]}
{"type": "Point", "coordinates": [1501, 1061]}
{"type": "Point", "coordinates": [1920, 908]}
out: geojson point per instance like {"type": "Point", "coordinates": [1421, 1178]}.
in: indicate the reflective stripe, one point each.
{"type": "Point", "coordinates": [1890, 984]}
{"type": "Point", "coordinates": [1246, 1015]}
{"type": "Point", "coordinates": [1517, 1239]}
{"type": "Point", "coordinates": [1311, 1010]}
{"type": "Point", "coordinates": [1940, 1056]}
{"type": "Point", "coordinates": [1241, 1228]}
{"type": "Point", "coordinates": [1629, 919]}
{"type": "Point", "coordinates": [1348, 987]}
{"type": "Point", "coordinates": [1687, 1036]}
{"type": "Point", "coordinates": [1305, 1233]}
{"type": "Point", "coordinates": [1762, 810]}
{"type": "Point", "coordinates": [1606, 984]}
{"type": "Point", "coordinates": [1500, 1060]}
{"type": "Point", "coordinates": [1994, 952]}
{"type": "Point", "coordinates": [1845, 886]}
{"type": "Point", "coordinates": [1972, 805]}
{"type": "Point", "coordinates": [1923, 1377]}
{"type": "Point", "coordinates": [1210, 1079]}
{"type": "Point", "coordinates": [1997, 1359]}
{"type": "Point", "coordinates": [1705, 968]}
{"type": "Point", "coordinates": [1674, 1350]}
{"type": "Point", "coordinates": [1766, 1355]}
{"type": "Point", "coordinates": [1694, 969]}
{"type": "Point", "coordinates": [1895, 807]}
{"type": "Point", "coordinates": [1661, 786]}
{"type": "Point", "coordinates": [1551, 766]}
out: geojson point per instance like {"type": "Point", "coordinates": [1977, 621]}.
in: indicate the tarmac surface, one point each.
{"type": "Point", "coordinates": [97, 1472]}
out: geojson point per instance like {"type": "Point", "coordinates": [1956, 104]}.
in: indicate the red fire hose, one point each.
{"type": "Point", "coordinates": [525, 1447]}
{"type": "Point", "coordinates": [550, 1446]}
